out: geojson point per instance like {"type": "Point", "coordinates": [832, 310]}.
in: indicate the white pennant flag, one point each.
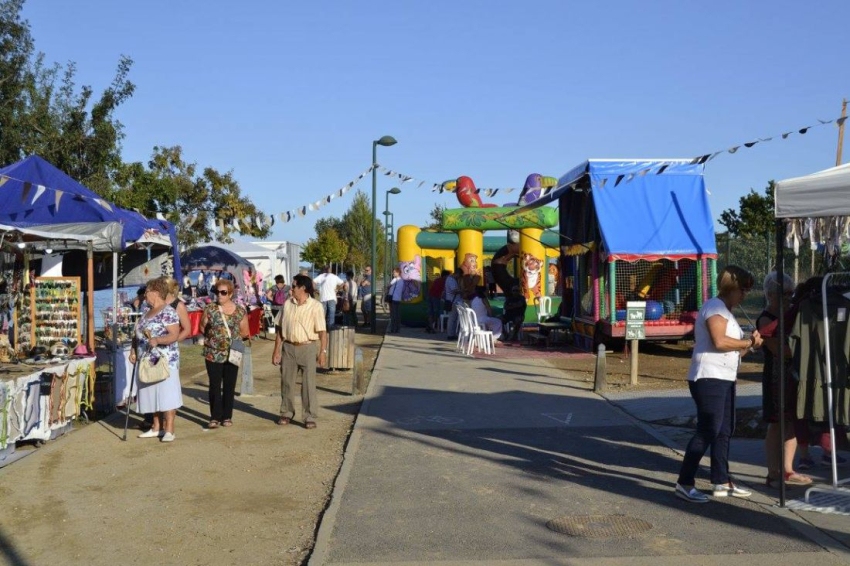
{"type": "Point", "coordinates": [39, 190]}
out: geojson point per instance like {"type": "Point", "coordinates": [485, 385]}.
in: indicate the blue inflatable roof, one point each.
{"type": "Point", "coordinates": [641, 208]}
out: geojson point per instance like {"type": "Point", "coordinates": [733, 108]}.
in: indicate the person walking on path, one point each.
{"type": "Point", "coordinates": [300, 343]}
{"type": "Point", "coordinates": [222, 322]}
{"type": "Point", "coordinates": [366, 297]}
{"type": "Point", "coordinates": [327, 284]}
{"type": "Point", "coordinates": [393, 293]}
{"type": "Point", "coordinates": [277, 295]}
{"type": "Point", "coordinates": [156, 331]}
{"type": "Point", "coordinates": [719, 344]}
{"type": "Point", "coordinates": [351, 290]}
{"type": "Point", "coordinates": [767, 323]}
{"type": "Point", "coordinates": [435, 301]}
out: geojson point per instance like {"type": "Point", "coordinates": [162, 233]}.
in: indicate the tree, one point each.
{"type": "Point", "coordinates": [754, 217]}
{"type": "Point", "coordinates": [355, 229]}
{"type": "Point", "coordinates": [192, 202]}
{"type": "Point", "coordinates": [325, 249]}
{"type": "Point", "coordinates": [16, 78]}
{"type": "Point", "coordinates": [436, 216]}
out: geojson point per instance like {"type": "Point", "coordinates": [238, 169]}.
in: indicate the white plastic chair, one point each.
{"type": "Point", "coordinates": [444, 322]}
{"type": "Point", "coordinates": [465, 334]}
{"type": "Point", "coordinates": [481, 338]}
{"type": "Point", "coordinates": [544, 308]}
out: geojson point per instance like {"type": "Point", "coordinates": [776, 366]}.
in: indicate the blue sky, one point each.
{"type": "Point", "coordinates": [290, 95]}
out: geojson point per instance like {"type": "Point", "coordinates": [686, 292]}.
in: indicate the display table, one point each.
{"type": "Point", "coordinates": [41, 404]}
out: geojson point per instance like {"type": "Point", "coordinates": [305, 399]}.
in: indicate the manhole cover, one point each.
{"type": "Point", "coordinates": [598, 526]}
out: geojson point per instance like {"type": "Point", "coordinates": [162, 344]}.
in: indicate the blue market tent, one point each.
{"type": "Point", "coordinates": [36, 195]}
{"type": "Point", "coordinates": [637, 208]}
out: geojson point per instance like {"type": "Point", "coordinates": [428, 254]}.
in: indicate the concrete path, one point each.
{"type": "Point", "coordinates": [456, 460]}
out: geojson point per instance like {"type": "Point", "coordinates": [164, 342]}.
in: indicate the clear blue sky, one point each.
{"type": "Point", "coordinates": [290, 95]}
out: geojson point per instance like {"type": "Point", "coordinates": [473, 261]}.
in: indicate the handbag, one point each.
{"type": "Point", "coordinates": [346, 304]}
{"type": "Point", "coordinates": [153, 371]}
{"type": "Point", "coordinates": [237, 347]}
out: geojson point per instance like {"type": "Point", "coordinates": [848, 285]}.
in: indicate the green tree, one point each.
{"type": "Point", "coordinates": [16, 80]}
{"type": "Point", "coordinates": [355, 229]}
{"type": "Point", "coordinates": [192, 202]}
{"type": "Point", "coordinates": [436, 217]}
{"type": "Point", "coordinates": [754, 216]}
{"type": "Point", "coordinates": [328, 247]}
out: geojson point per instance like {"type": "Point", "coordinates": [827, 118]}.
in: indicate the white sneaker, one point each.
{"type": "Point", "coordinates": [151, 434]}
{"type": "Point", "coordinates": [691, 494]}
{"type": "Point", "coordinates": [730, 489]}
{"type": "Point", "coordinates": [168, 437]}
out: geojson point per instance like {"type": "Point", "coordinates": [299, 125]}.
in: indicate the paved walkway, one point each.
{"type": "Point", "coordinates": [456, 460]}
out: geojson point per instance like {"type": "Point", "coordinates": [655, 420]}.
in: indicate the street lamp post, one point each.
{"type": "Point", "coordinates": [385, 141]}
{"type": "Point", "coordinates": [389, 236]}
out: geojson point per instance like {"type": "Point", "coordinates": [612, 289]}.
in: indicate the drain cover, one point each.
{"type": "Point", "coordinates": [598, 526]}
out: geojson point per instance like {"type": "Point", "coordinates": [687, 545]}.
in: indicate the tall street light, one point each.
{"type": "Point", "coordinates": [388, 214]}
{"type": "Point", "coordinates": [385, 141]}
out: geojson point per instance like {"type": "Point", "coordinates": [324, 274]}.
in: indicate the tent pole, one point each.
{"type": "Point", "coordinates": [90, 298]}
{"type": "Point", "coordinates": [780, 277]}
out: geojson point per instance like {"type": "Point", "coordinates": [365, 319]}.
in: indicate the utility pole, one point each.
{"type": "Point", "coordinates": [841, 133]}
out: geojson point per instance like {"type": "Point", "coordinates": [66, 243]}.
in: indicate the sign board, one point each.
{"type": "Point", "coordinates": [635, 316]}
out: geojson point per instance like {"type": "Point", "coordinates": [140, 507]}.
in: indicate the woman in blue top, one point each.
{"type": "Point", "coordinates": [157, 330]}
{"type": "Point", "coordinates": [719, 343]}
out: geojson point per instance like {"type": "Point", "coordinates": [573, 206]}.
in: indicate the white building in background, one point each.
{"type": "Point", "coordinates": [286, 258]}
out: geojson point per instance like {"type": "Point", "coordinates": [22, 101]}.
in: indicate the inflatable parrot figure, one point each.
{"type": "Point", "coordinates": [535, 185]}
{"type": "Point", "coordinates": [468, 195]}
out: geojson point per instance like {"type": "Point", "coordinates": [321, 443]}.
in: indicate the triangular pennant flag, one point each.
{"type": "Point", "coordinates": [418, 186]}
{"type": "Point", "coordinates": [734, 149]}
{"type": "Point", "coordinates": [750, 144]}
{"type": "Point", "coordinates": [602, 182]}
{"type": "Point", "coordinates": [104, 204]}
{"type": "Point", "coordinates": [839, 122]}
{"type": "Point", "coordinates": [39, 190]}
{"type": "Point", "coordinates": [619, 179]}
{"type": "Point", "coordinates": [662, 169]}
{"type": "Point", "coordinates": [804, 130]}
{"type": "Point", "coordinates": [715, 154]}
{"type": "Point", "coordinates": [302, 211]}
{"type": "Point", "coordinates": [630, 177]}
{"type": "Point", "coordinates": [25, 195]}
{"type": "Point", "coordinates": [786, 134]}
{"type": "Point", "coordinates": [765, 139]}
{"type": "Point", "coordinates": [341, 192]}
{"type": "Point", "coordinates": [56, 198]}
{"type": "Point", "coordinates": [3, 180]}
{"type": "Point", "coordinates": [329, 198]}
{"type": "Point", "coordinates": [311, 206]}
{"type": "Point", "coordinates": [825, 121]}
{"type": "Point", "coordinates": [494, 192]}
{"type": "Point", "coordinates": [235, 224]}
{"type": "Point", "coordinates": [160, 216]}
{"type": "Point", "coordinates": [221, 225]}
{"type": "Point", "coordinates": [643, 172]}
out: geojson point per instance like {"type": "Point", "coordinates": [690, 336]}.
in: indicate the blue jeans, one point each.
{"type": "Point", "coordinates": [330, 312]}
{"type": "Point", "coordinates": [715, 399]}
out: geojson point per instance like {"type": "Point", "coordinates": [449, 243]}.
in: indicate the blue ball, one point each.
{"type": "Point", "coordinates": [654, 310]}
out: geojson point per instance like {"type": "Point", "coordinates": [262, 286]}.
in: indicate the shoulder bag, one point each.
{"type": "Point", "coordinates": [153, 369]}
{"type": "Point", "coordinates": [237, 346]}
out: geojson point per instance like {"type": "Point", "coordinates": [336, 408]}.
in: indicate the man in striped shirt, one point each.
{"type": "Point", "coordinates": [301, 343]}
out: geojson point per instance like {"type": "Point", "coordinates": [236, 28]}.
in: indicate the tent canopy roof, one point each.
{"type": "Point", "coordinates": [643, 208]}
{"type": "Point", "coordinates": [103, 236]}
{"type": "Point", "coordinates": [822, 194]}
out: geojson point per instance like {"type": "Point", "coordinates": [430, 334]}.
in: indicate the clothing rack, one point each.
{"type": "Point", "coordinates": [835, 489]}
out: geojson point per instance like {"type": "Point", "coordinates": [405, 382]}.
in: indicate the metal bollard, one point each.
{"type": "Point", "coordinates": [357, 372]}
{"type": "Point", "coordinates": [247, 387]}
{"type": "Point", "coordinates": [600, 382]}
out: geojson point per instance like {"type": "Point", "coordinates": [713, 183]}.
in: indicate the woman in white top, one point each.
{"type": "Point", "coordinates": [719, 343]}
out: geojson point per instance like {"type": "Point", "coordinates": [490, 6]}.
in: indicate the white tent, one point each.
{"type": "Point", "coordinates": [822, 194]}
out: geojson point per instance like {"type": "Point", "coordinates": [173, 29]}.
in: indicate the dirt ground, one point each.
{"type": "Point", "coordinates": [224, 496]}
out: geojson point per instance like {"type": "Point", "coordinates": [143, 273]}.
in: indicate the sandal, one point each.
{"type": "Point", "coordinates": [212, 424]}
{"type": "Point", "coordinates": [309, 424]}
{"type": "Point", "coordinates": [793, 478]}
{"type": "Point", "coordinates": [227, 422]}
{"type": "Point", "coordinates": [283, 421]}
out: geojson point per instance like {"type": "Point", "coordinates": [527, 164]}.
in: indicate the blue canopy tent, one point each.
{"type": "Point", "coordinates": [650, 221]}
{"type": "Point", "coordinates": [38, 197]}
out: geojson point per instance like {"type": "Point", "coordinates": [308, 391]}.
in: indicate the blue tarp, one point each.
{"type": "Point", "coordinates": [642, 208]}
{"type": "Point", "coordinates": [35, 193]}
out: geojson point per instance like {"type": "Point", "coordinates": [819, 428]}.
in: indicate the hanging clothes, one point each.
{"type": "Point", "coordinates": [808, 346]}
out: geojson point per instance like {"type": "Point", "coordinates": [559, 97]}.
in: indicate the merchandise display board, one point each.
{"type": "Point", "coordinates": [56, 311]}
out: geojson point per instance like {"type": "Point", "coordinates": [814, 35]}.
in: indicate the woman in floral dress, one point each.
{"type": "Point", "coordinates": [157, 330]}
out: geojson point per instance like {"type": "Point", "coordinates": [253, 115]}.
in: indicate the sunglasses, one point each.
{"type": "Point", "coordinates": [221, 292]}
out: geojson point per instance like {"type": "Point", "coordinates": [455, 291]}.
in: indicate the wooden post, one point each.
{"type": "Point", "coordinates": [633, 363]}
{"type": "Point", "coordinates": [838, 156]}
{"type": "Point", "coordinates": [247, 386]}
{"type": "Point", "coordinates": [600, 382]}
{"type": "Point", "coordinates": [90, 299]}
